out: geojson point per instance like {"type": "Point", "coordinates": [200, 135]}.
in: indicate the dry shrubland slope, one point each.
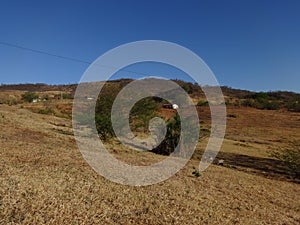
{"type": "Point", "coordinates": [45, 180]}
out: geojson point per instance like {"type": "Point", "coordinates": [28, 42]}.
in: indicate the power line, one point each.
{"type": "Point", "coordinates": [43, 52]}
{"type": "Point", "coordinates": [65, 57]}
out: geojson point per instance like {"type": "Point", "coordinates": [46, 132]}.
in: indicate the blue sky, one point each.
{"type": "Point", "coordinates": [250, 45]}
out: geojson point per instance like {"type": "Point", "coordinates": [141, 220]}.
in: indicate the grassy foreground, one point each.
{"type": "Point", "coordinates": [45, 180]}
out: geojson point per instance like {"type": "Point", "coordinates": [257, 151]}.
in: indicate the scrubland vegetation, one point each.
{"type": "Point", "coordinates": [45, 180]}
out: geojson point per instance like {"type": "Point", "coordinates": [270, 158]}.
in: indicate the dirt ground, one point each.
{"type": "Point", "coordinates": [45, 180]}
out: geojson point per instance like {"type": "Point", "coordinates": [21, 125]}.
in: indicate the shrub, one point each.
{"type": "Point", "coordinates": [293, 105]}
{"type": "Point", "coordinates": [140, 114]}
{"type": "Point", "coordinates": [261, 103]}
{"type": "Point", "coordinates": [248, 103]}
{"type": "Point", "coordinates": [260, 95]}
{"type": "Point", "coordinates": [29, 96]}
{"type": "Point", "coordinates": [103, 113]}
{"type": "Point", "coordinates": [231, 116]}
{"type": "Point", "coordinates": [202, 103]}
{"type": "Point", "coordinates": [143, 111]}
{"type": "Point", "coordinates": [188, 88]}
{"type": "Point", "coordinates": [291, 158]}
{"type": "Point", "coordinates": [171, 140]}
{"type": "Point", "coordinates": [61, 96]}
{"type": "Point", "coordinates": [196, 173]}
{"type": "Point", "coordinates": [46, 111]}
{"type": "Point", "coordinates": [271, 105]}
{"type": "Point", "coordinates": [46, 97]}
{"type": "Point", "coordinates": [104, 126]}
{"type": "Point", "coordinates": [67, 96]}
{"type": "Point", "coordinates": [11, 102]}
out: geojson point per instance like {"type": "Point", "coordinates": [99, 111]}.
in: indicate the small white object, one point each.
{"type": "Point", "coordinates": [175, 106]}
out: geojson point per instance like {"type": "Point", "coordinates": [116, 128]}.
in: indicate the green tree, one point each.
{"type": "Point", "coordinates": [104, 126]}
{"type": "Point", "coordinates": [103, 116]}
{"type": "Point", "coordinates": [172, 138]}
{"type": "Point", "coordinates": [143, 111]}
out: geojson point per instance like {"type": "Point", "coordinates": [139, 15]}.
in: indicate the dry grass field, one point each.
{"type": "Point", "coordinates": [45, 180]}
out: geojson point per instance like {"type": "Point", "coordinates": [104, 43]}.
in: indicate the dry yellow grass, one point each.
{"type": "Point", "coordinates": [45, 180]}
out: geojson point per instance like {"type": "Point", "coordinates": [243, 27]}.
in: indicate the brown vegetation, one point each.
{"type": "Point", "coordinates": [45, 180]}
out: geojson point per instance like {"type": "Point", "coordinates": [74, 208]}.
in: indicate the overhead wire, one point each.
{"type": "Point", "coordinates": [65, 57]}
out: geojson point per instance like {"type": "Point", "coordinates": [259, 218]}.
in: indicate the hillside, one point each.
{"type": "Point", "coordinates": [237, 97]}
{"type": "Point", "coordinates": [45, 180]}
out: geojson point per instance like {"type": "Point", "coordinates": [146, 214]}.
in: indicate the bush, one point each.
{"type": "Point", "coordinates": [62, 96]}
{"type": "Point", "coordinates": [294, 106]}
{"type": "Point", "coordinates": [231, 116]}
{"type": "Point", "coordinates": [11, 102]}
{"type": "Point", "coordinates": [103, 113]}
{"type": "Point", "coordinates": [261, 103]}
{"type": "Point", "coordinates": [291, 158]}
{"type": "Point", "coordinates": [188, 88]}
{"type": "Point", "coordinates": [196, 173]}
{"type": "Point", "coordinates": [29, 96]}
{"type": "Point", "coordinates": [46, 111]}
{"type": "Point", "coordinates": [67, 96]}
{"type": "Point", "coordinates": [142, 112]}
{"type": "Point", "coordinates": [171, 140]}
{"type": "Point", "coordinates": [260, 95]}
{"type": "Point", "coordinates": [202, 103]}
{"type": "Point", "coordinates": [104, 126]}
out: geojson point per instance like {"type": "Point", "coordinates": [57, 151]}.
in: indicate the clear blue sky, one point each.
{"type": "Point", "coordinates": [251, 44]}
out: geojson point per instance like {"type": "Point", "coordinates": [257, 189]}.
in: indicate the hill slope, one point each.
{"type": "Point", "coordinates": [45, 180]}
